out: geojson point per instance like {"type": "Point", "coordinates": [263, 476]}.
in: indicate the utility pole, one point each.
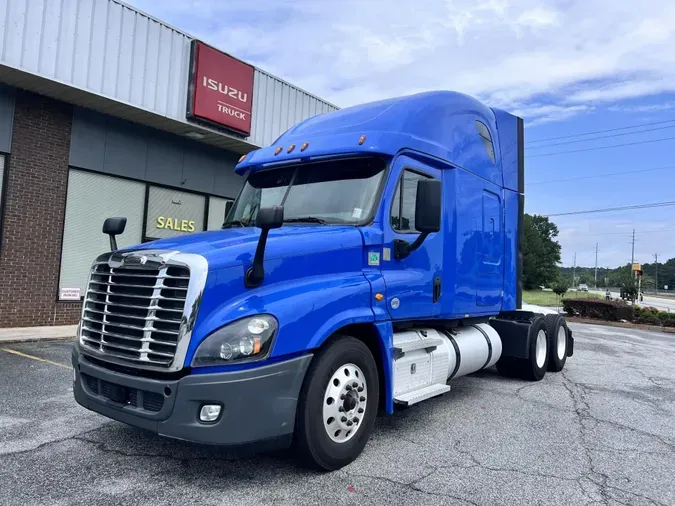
{"type": "Point", "coordinates": [632, 255]}
{"type": "Point", "coordinates": [574, 272]}
{"type": "Point", "coordinates": [596, 265]}
{"type": "Point", "coordinates": [656, 264]}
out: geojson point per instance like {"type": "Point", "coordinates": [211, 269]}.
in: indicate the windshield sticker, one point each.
{"type": "Point", "coordinates": [374, 258]}
{"type": "Point", "coordinates": [356, 213]}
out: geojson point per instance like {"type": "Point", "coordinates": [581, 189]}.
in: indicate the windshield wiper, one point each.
{"type": "Point", "coordinates": [306, 219]}
{"type": "Point", "coordinates": [233, 223]}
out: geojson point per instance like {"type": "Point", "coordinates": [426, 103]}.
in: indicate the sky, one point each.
{"type": "Point", "coordinates": [568, 67]}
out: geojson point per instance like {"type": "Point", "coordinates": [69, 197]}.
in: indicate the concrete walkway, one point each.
{"type": "Point", "coordinates": [21, 334]}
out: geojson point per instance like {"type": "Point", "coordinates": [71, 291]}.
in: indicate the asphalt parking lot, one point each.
{"type": "Point", "coordinates": [601, 432]}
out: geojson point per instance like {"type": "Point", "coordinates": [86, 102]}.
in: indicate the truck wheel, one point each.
{"type": "Point", "coordinates": [534, 367]}
{"type": "Point", "coordinates": [337, 405]}
{"type": "Point", "coordinates": [556, 330]}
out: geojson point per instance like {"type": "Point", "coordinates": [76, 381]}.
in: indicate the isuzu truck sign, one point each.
{"type": "Point", "coordinates": [221, 89]}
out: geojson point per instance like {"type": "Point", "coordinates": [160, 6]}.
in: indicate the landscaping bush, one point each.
{"type": "Point", "coordinates": [611, 310]}
{"type": "Point", "coordinates": [652, 316]}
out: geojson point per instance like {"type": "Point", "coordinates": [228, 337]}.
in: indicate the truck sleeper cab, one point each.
{"type": "Point", "coordinates": [372, 255]}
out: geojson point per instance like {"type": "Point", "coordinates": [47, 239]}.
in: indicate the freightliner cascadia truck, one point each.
{"type": "Point", "coordinates": [373, 255]}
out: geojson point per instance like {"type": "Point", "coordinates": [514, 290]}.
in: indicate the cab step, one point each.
{"type": "Point", "coordinates": [422, 394]}
{"type": "Point", "coordinates": [429, 345]}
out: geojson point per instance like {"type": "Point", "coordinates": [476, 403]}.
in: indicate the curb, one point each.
{"type": "Point", "coordinates": [15, 340]}
{"type": "Point", "coordinates": [638, 326]}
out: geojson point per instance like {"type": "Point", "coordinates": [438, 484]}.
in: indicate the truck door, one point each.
{"type": "Point", "coordinates": [491, 251]}
{"type": "Point", "coordinates": [413, 283]}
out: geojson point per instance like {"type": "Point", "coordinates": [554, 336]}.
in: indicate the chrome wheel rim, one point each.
{"type": "Point", "coordinates": [562, 343]}
{"type": "Point", "coordinates": [344, 404]}
{"type": "Point", "coordinates": [540, 349]}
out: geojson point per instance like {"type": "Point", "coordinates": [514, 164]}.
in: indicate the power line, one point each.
{"type": "Point", "coordinates": [602, 137]}
{"type": "Point", "coordinates": [601, 175]}
{"type": "Point", "coordinates": [603, 147]}
{"type": "Point", "coordinates": [601, 131]}
{"type": "Point", "coordinates": [662, 232]}
{"type": "Point", "coordinates": [608, 209]}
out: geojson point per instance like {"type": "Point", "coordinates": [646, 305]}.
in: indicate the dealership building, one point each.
{"type": "Point", "coordinates": [106, 111]}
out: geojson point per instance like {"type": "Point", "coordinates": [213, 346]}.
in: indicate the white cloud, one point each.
{"type": "Point", "coordinates": [659, 107]}
{"type": "Point", "coordinates": [522, 54]}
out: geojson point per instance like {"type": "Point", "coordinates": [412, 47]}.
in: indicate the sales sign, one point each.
{"type": "Point", "coordinates": [221, 89]}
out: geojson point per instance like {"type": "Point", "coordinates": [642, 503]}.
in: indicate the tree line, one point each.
{"type": "Point", "coordinates": [541, 259]}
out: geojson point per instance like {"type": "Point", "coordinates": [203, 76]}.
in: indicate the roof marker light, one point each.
{"type": "Point", "coordinates": [241, 159]}
{"type": "Point", "coordinates": [278, 150]}
{"type": "Point", "coordinates": [290, 148]}
{"type": "Point", "coordinates": [304, 146]}
{"type": "Point", "coordinates": [362, 139]}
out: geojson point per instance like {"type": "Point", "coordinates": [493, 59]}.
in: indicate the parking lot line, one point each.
{"type": "Point", "coordinates": [25, 355]}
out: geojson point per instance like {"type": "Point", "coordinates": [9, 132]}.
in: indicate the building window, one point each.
{"type": "Point", "coordinates": [485, 136]}
{"type": "Point", "coordinates": [403, 205]}
{"type": "Point", "coordinates": [91, 199]}
{"type": "Point", "coordinates": [218, 209]}
{"type": "Point", "coordinates": [173, 212]}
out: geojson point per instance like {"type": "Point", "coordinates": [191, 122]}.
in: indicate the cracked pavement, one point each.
{"type": "Point", "coordinates": [600, 433]}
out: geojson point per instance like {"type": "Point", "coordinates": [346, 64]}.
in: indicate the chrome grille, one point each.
{"type": "Point", "coordinates": [134, 313]}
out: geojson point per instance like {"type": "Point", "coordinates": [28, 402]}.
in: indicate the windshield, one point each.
{"type": "Point", "coordinates": [335, 191]}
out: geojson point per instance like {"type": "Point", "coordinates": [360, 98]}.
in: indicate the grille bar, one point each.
{"type": "Point", "coordinates": [131, 327]}
{"type": "Point", "coordinates": [131, 306]}
{"type": "Point", "coordinates": [128, 338]}
{"type": "Point", "coordinates": [149, 318]}
{"type": "Point", "coordinates": [153, 296]}
{"type": "Point", "coordinates": [145, 287]}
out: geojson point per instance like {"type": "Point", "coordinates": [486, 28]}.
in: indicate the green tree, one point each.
{"type": "Point", "coordinates": [541, 252]}
{"type": "Point", "coordinates": [561, 286]}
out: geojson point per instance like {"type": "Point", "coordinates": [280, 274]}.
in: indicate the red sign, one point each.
{"type": "Point", "coordinates": [221, 89]}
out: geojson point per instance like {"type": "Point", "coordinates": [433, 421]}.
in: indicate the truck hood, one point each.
{"type": "Point", "coordinates": [236, 246]}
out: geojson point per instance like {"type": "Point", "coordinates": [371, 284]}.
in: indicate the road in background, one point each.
{"type": "Point", "coordinates": [662, 303]}
{"type": "Point", "coordinates": [601, 432]}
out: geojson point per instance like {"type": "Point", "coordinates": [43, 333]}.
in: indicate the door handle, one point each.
{"type": "Point", "coordinates": [437, 288]}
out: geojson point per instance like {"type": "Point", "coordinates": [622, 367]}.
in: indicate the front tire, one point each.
{"type": "Point", "coordinates": [337, 405]}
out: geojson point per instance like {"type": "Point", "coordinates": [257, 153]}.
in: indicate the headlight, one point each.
{"type": "Point", "coordinates": [245, 340]}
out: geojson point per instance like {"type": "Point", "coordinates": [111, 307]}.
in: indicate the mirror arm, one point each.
{"type": "Point", "coordinates": [403, 248]}
{"type": "Point", "coordinates": [256, 273]}
{"type": "Point", "coordinates": [113, 243]}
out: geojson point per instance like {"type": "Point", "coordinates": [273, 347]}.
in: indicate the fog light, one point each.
{"type": "Point", "coordinates": [209, 412]}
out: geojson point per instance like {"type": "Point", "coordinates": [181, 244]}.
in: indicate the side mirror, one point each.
{"type": "Point", "coordinates": [428, 207]}
{"type": "Point", "coordinates": [270, 217]}
{"type": "Point", "coordinates": [113, 227]}
{"type": "Point", "coordinates": [266, 219]}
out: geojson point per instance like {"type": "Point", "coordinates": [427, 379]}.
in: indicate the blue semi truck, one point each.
{"type": "Point", "coordinates": [373, 255]}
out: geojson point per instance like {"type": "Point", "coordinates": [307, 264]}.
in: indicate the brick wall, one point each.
{"type": "Point", "coordinates": [35, 202]}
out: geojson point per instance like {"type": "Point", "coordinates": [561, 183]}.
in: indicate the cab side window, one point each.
{"type": "Point", "coordinates": [403, 204]}
{"type": "Point", "coordinates": [485, 136]}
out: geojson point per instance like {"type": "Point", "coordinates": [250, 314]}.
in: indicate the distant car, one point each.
{"type": "Point", "coordinates": [583, 288]}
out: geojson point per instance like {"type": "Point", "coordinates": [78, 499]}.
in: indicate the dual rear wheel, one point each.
{"type": "Point", "coordinates": [547, 350]}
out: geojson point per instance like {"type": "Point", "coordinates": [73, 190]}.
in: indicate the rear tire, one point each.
{"type": "Point", "coordinates": [534, 367]}
{"type": "Point", "coordinates": [322, 439]}
{"type": "Point", "coordinates": [557, 333]}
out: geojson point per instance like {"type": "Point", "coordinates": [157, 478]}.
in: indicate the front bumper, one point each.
{"type": "Point", "coordinates": [258, 405]}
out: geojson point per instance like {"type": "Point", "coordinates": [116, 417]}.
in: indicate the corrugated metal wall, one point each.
{"type": "Point", "coordinates": [107, 48]}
